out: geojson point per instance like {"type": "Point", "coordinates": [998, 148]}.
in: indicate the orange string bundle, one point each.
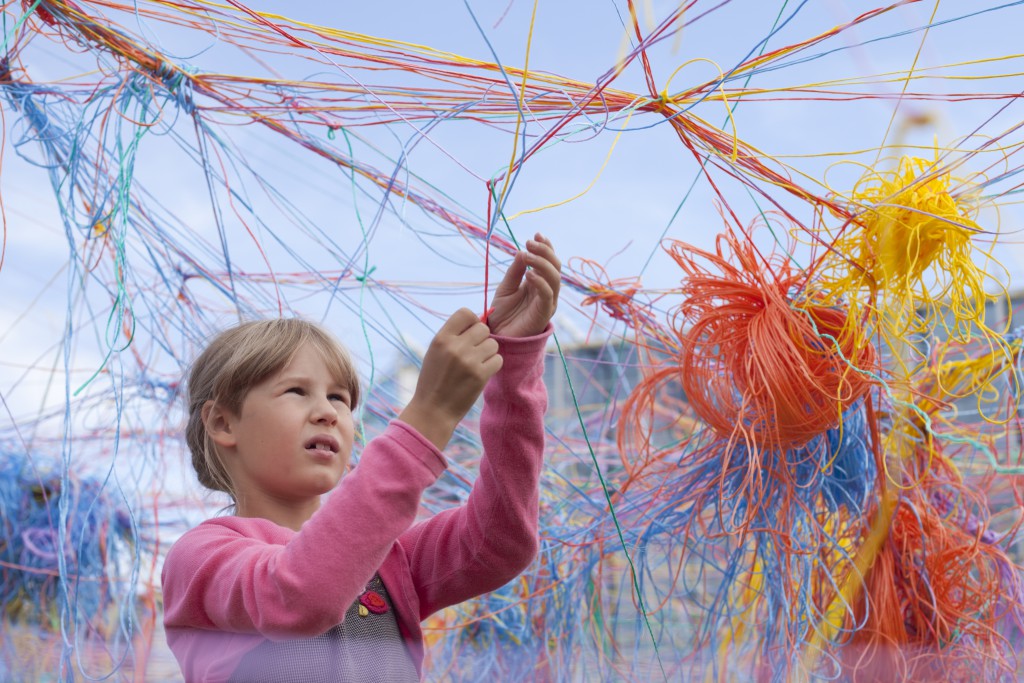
{"type": "Point", "coordinates": [934, 596]}
{"type": "Point", "coordinates": [755, 358]}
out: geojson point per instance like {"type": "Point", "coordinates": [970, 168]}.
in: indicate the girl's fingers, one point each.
{"type": "Point", "coordinates": [548, 270]}
{"type": "Point", "coordinates": [542, 249]}
{"type": "Point", "coordinates": [459, 321]}
{"type": "Point", "coordinates": [542, 287]}
{"type": "Point", "coordinates": [514, 274]}
{"type": "Point", "coordinates": [476, 333]}
{"type": "Point", "coordinates": [492, 365]}
{"type": "Point", "coordinates": [487, 348]}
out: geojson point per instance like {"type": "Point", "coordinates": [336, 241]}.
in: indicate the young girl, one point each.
{"type": "Point", "coordinates": [288, 589]}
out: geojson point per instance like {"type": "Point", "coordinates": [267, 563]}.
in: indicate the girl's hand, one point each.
{"type": "Point", "coordinates": [528, 295]}
{"type": "Point", "coordinates": [461, 358]}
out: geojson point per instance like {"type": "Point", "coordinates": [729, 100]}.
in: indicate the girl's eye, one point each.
{"type": "Point", "coordinates": [339, 397]}
{"type": "Point", "coordinates": [296, 390]}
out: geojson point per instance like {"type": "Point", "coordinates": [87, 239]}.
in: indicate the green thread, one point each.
{"type": "Point", "coordinates": [364, 278]}
{"type": "Point", "coordinates": [611, 509]}
{"type": "Point", "coordinates": [31, 8]}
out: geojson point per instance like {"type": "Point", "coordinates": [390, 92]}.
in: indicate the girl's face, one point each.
{"type": "Point", "coordinates": [293, 435]}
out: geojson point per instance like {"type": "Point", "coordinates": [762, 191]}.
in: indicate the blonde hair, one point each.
{"type": "Point", "coordinates": [238, 359]}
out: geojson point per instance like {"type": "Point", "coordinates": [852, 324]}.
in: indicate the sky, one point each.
{"type": "Point", "coordinates": [615, 189]}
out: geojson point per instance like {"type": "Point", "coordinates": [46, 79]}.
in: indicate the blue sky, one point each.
{"type": "Point", "coordinates": [636, 198]}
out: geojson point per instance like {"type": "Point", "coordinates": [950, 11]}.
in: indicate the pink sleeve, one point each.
{"type": "Point", "coordinates": [482, 545]}
{"type": "Point", "coordinates": [252, 576]}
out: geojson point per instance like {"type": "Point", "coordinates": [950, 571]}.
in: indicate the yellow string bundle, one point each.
{"type": "Point", "coordinates": [910, 243]}
{"type": "Point", "coordinates": [910, 221]}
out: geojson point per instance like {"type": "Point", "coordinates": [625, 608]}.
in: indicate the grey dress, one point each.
{"type": "Point", "coordinates": [366, 647]}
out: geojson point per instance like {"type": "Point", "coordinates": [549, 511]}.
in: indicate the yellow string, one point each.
{"type": "Point", "coordinates": [906, 82]}
{"type": "Point", "coordinates": [519, 111]}
{"type": "Point", "coordinates": [721, 91]}
{"type": "Point", "coordinates": [591, 184]}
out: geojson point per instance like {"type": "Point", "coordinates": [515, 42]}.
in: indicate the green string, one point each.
{"type": "Point", "coordinates": [367, 271]}
{"type": "Point", "coordinates": [24, 17]}
{"type": "Point", "coordinates": [597, 467]}
{"type": "Point", "coordinates": [611, 509]}
{"type": "Point", "coordinates": [122, 305]}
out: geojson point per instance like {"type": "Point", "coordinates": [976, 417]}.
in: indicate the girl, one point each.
{"type": "Point", "coordinates": [287, 589]}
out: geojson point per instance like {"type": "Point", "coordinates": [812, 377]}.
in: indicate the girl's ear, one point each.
{"type": "Point", "coordinates": [218, 425]}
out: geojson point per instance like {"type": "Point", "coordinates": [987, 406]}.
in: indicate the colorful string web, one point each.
{"type": "Point", "coordinates": [784, 436]}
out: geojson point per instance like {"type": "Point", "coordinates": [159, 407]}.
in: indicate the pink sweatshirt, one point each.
{"type": "Point", "coordinates": [232, 582]}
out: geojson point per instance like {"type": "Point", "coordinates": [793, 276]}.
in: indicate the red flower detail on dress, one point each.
{"type": "Point", "coordinates": [373, 601]}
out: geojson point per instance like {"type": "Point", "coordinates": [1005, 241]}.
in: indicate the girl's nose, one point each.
{"type": "Point", "coordinates": [324, 411]}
